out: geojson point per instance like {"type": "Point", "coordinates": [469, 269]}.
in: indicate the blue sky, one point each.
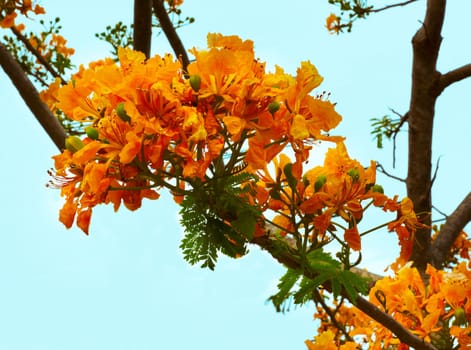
{"type": "Point", "coordinates": [126, 286]}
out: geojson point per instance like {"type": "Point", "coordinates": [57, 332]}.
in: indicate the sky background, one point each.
{"type": "Point", "coordinates": [126, 286]}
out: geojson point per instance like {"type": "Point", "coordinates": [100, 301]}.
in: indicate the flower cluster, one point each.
{"type": "Point", "coordinates": [151, 125]}
{"type": "Point", "coordinates": [9, 10]}
{"type": "Point", "coordinates": [340, 188]}
{"type": "Point", "coordinates": [439, 312]}
{"type": "Point", "coordinates": [47, 47]}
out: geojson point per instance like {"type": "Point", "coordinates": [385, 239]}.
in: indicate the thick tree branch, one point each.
{"type": "Point", "coordinates": [453, 226]}
{"type": "Point", "coordinates": [454, 76]}
{"type": "Point", "coordinates": [425, 81]}
{"type": "Point", "coordinates": [170, 32]}
{"type": "Point", "coordinates": [142, 26]}
{"type": "Point", "coordinates": [31, 97]}
{"type": "Point", "coordinates": [287, 256]}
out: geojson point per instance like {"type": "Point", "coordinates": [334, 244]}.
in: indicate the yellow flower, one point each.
{"type": "Point", "coordinates": [323, 341]}
{"type": "Point", "coordinates": [299, 129]}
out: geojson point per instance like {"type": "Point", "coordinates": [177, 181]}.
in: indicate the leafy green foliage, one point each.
{"type": "Point", "coordinates": [119, 35]}
{"type": "Point", "coordinates": [216, 218]}
{"type": "Point", "coordinates": [354, 8]}
{"type": "Point", "coordinates": [295, 287]}
{"type": "Point", "coordinates": [384, 127]}
{"type": "Point", "coordinates": [287, 283]}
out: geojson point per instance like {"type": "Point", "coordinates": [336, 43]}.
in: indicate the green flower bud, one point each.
{"type": "Point", "coordinates": [273, 107]}
{"type": "Point", "coordinates": [377, 188]}
{"type": "Point", "coordinates": [73, 143]}
{"type": "Point", "coordinates": [195, 82]}
{"type": "Point", "coordinates": [288, 170]}
{"type": "Point", "coordinates": [320, 181]}
{"type": "Point", "coordinates": [354, 174]}
{"type": "Point", "coordinates": [91, 132]}
{"type": "Point", "coordinates": [460, 317]}
{"type": "Point", "coordinates": [275, 193]}
{"type": "Point", "coordinates": [121, 112]}
{"type": "Point", "coordinates": [305, 181]}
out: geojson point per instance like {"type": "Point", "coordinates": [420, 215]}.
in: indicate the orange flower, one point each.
{"type": "Point", "coordinates": [8, 21]}
{"type": "Point", "coordinates": [333, 24]}
{"type": "Point", "coordinates": [323, 341]}
{"type": "Point", "coordinates": [352, 237]}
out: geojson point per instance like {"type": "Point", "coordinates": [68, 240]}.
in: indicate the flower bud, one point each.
{"type": "Point", "coordinates": [275, 193]}
{"type": "Point", "coordinates": [354, 174]}
{"type": "Point", "coordinates": [460, 317]}
{"type": "Point", "coordinates": [73, 143]}
{"type": "Point", "coordinates": [91, 132]}
{"type": "Point", "coordinates": [273, 107]}
{"type": "Point", "coordinates": [305, 181]}
{"type": "Point", "coordinates": [377, 188]}
{"type": "Point", "coordinates": [288, 170]}
{"type": "Point", "coordinates": [121, 112]}
{"type": "Point", "coordinates": [195, 82]}
{"type": "Point", "coordinates": [320, 181]}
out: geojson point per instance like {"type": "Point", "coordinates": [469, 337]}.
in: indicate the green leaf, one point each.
{"type": "Point", "coordinates": [245, 223]}
{"type": "Point", "coordinates": [285, 285]}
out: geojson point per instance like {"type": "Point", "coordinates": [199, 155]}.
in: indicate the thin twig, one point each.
{"type": "Point", "coordinates": [435, 173]}
{"type": "Point", "coordinates": [434, 176]}
{"type": "Point", "coordinates": [439, 211]}
{"type": "Point", "coordinates": [381, 169]}
{"type": "Point", "coordinates": [387, 7]}
{"type": "Point", "coordinates": [318, 298]}
{"type": "Point", "coordinates": [402, 120]}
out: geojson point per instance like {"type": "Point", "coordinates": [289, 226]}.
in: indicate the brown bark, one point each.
{"type": "Point", "coordinates": [453, 226]}
{"type": "Point", "coordinates": [142, 26]}
{"type": "Point", "coordinates": [31, 97]}
{"type": "Point", "coordinates": [170, 32]}
{"type": "Point", "coordinates": [425, 90]}
{"type": "Point", "coordinates": [454, 76]}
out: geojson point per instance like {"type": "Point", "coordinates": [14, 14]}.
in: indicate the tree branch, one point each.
{"type": "Point", "coordinates": [31, 97]}
{"type": "Point", "coordinates": [382, 170]}
{"type": "Point", "coordinates": [142, 26]}
{"type": "Point", "coordinates": [317, 297]}
{"type": "Point", "coordinates": [36, 54]}
{"type": "Point", "coordinates": [390, 323]}
{"type": "Point", "coordinates": [170, 32]}
{"type": "Point", "coordinates": [286, 255]}
{"type": "Point", "coordinates": [453, 226]}
{"type": "Point", "coordinates": [454, 76]}
{"type": "Point", "coordinates": [425, 78]}
{"type": "Point", "coordinates": [387, 7]}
